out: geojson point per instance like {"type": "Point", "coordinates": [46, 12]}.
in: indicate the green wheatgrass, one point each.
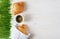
{"type": "Point", "coordinates": [4, 19]}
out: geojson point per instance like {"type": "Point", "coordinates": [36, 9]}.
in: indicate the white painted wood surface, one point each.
{"type": "Point", "coordinates": [43, 18]}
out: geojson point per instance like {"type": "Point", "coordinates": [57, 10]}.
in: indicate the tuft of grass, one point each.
{"type": "Point", "coordinates": [4, 19]}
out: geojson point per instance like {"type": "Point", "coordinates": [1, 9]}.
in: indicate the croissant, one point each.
{"type": "Point", "coordinates": [17, 8]}
{"type": "Point", "coordinates": [22, 28]}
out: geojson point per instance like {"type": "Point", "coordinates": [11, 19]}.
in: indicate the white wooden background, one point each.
{"type": "Point", "coordinates": [43, 18]}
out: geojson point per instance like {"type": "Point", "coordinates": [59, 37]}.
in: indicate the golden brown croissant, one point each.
{"type": "Point", "coordinates": [22, 28]}
{"type": "Point", "coordinates": [17, 7]}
